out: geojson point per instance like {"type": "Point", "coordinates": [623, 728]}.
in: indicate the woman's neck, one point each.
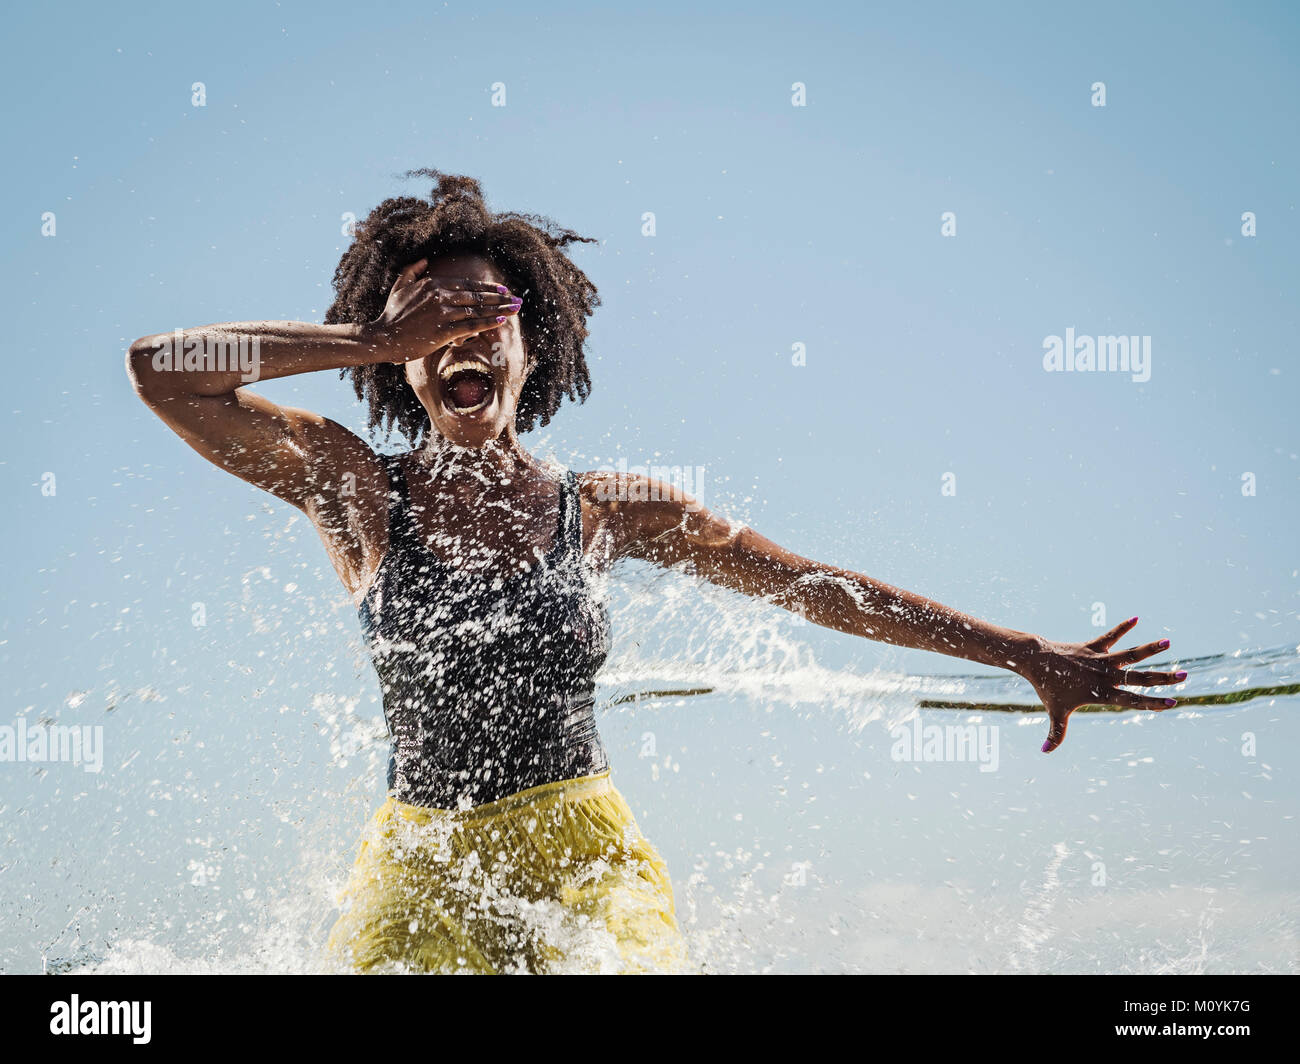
{"type": "Point", "coordinates": [502, 459]}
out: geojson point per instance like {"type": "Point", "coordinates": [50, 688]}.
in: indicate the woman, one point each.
{"type": "Point", "coordinates": [503, 845]}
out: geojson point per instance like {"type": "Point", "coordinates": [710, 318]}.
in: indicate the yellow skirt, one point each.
{"type": "Point", "coordinates": [557, 878]}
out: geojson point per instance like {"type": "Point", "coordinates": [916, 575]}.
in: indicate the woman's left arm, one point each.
{"type": "Point", "coordinates": [647, 519]}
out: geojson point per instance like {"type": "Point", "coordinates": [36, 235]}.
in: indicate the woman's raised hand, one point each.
{"type": "Point", "coordinates": [1069, 675]}
{"type": "Point", "coordinates": [424, 313]}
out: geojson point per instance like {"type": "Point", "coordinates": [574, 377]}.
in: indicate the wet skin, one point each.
{"type": "Point", "coordinates": [491, 506]}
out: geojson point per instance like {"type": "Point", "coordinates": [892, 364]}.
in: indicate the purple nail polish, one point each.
{"type": "Point", "coordinates": [1164, 644]}
{"type": "Point", "coordinates": [1132, 620]}
{"type": "Point", "coordinates": [500, 318]}
{"type": "Point", "coordinates": [1171, 701]}
{"type": "Point", "coordinates": [503, 289]}
{"type": "Point", "coordinates": [1047, 745]}
{"type": "Point", "coordinates": [1180, 676]}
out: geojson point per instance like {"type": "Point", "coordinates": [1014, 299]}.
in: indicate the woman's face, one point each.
{"type": "Point", "coordinates": [471, 387]}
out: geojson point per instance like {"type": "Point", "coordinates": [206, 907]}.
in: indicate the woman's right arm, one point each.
{"type": "Point", "coordinates": [307, 460]}
{"type": "Point", "coordinates": [276, 448]}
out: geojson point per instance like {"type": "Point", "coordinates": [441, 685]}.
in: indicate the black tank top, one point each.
{"type": "Point", "coordinates": [488, 681]}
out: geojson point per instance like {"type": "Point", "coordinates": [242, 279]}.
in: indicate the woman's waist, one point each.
{"type": "Point", "coordinates": [539, 671]}
{"type": "Point", "coordinates": [438, 774]}
{"type": "Point", "coordinates": [515, 713]}
{"type": "Point", "coordinates": [560, 791]}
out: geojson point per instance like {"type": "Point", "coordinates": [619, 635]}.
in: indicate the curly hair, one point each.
{"type": "Point", "coordinates": [526, 248]}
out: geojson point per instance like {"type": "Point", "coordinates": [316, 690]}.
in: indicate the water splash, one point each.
{"type": "Point", "coordinates": [225, 836]}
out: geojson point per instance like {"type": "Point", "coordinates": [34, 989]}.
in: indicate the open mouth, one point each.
{"type": "Point", "coordinates": [466, 386]}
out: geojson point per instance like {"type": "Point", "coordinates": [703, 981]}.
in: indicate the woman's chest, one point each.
{"type": "Point", "coordinates": [425, 607]}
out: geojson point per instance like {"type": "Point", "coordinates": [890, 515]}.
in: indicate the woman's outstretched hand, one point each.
{"type": "Point", "coordinates": [1069, 675]}
{"type": "Point", "coordinates": [424, 313]}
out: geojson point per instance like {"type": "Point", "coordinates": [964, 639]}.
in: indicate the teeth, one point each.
{"type": "Point", "coordinates": [458, 367]}
{"type": "Point", "coordinates": [463, 364]}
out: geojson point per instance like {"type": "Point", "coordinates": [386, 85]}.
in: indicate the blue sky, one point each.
{"type": "Point", "coordinates": [776, 225]}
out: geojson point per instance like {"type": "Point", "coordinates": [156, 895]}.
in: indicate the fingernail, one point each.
{"type": "Point", "coordinates": [1132, 620]}
{"type": "Point", "coordinates": [1047, 746]}
{"type": "Point", "coordinates": [500, 318]}
{"type": "Point", "coordinates": [517, 301]}
{"type": "Point", "coordinates": [503, 289]}
{"type": "Point", "coordinates": [1180, 676]}
{"type": "Point", "coordinates": [1171, 701]}
{"type": "Point", "coordinates": [1164, 644]}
